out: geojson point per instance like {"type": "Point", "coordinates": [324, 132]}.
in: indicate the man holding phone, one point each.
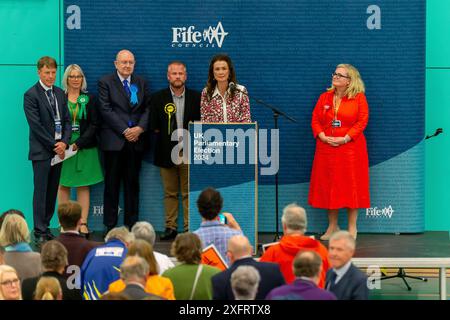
{"type": "Point", "coordinates": [215, 228]}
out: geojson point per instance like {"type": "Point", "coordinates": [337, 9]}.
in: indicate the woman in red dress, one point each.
{"type": "Point", "coordinates": [340, 173]}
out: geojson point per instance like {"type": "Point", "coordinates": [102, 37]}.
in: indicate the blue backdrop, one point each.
{"type": "Point", "coordinates": [284, 53]}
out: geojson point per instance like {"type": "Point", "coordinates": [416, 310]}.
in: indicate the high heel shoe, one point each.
{"type": "Point", "coordinates": [85, 234]}
{"type": "Point", "coordinates": [327, 235]}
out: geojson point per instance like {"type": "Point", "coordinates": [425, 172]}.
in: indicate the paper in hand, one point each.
{"type": "Point", "coordinates": [69, 153]}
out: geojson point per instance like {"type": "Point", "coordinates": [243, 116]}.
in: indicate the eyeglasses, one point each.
{"type": "Point", "coordinates": [339, 75]}
{"type": "Point", "coordinates": [75, 77]}
{"type": "Point", "coordinates": [9, 283]}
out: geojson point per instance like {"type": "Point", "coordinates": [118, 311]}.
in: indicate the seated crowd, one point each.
{"type": "Point", "coordinates": [125, 266]}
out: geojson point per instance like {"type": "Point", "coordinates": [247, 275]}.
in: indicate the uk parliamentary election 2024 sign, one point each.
{"type": "Point", "coordinates": [225, 156]}
{"type": "Point", "coordinates": [284, 53]}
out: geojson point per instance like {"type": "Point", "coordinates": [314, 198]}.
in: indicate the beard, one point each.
{"type": "Point", "coordinates": [177, 84]}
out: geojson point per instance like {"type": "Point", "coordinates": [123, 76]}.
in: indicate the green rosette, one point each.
{"type": "Point", "coordinates": [83, 100]}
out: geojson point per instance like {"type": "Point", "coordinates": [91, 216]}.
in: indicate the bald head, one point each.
{"type": "Point", "coordinates": [239, 247]}
{"type": "Point", "coordinates": [124, 54]}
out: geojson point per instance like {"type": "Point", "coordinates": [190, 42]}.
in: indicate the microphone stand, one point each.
{"type": "Point", "coordinates": [276, 113]}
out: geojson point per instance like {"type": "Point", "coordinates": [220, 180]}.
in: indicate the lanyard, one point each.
{"type": "Point", "coordinates": [74, 111]}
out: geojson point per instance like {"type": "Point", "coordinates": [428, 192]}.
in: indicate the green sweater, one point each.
{"type": "Point", "coordinates": [183, 276]}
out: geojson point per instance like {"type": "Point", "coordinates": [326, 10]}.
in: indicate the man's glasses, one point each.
{"type": "Point", "coordinates": [339, 75]}
{"type": "Point", "coordinates": [75, 77]}
{"type": "Point", "coordinates": [9, 283]}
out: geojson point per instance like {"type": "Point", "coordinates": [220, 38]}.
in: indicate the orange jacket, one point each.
{"type": "Point", "coordinates": [285, 251]}
{"type": "Point", "coordinates": [161, 286]}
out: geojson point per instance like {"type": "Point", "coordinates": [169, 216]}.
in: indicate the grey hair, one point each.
{"type": "Point", "coordinates": [245, 282]}
{"type": "Point", "coordinates": [69, 69]}
{"type": "Point", "coordinates": [294, 218]}
{"type": "Point", "coordinates": [134, 267]}
{"type": "Point", "coordinates": [351, 243]}
{"type": "Point", "coordinates": [144, 230]}
{"type": "Point", "coordinates": [121, 234]}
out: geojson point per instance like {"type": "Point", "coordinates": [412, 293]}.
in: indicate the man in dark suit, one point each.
{"type": "Point", "coordinates": [345, 280]}
{"type": "Point", "coordinates": [123, 108]}
{"type": "Point", "coordinates": [240, 254]}
{"type": "Point", "coordinates": [50, 130]}
{"type": "Point", "coordinates": [173, 108]}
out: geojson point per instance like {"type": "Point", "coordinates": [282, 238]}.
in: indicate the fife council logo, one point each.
{"type": "Point", "coordinates": [189, 37]}
{"type": "Point", "coordinates": [376, 212]}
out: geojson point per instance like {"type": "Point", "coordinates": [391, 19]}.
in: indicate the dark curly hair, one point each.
{"type": "Point", "coordinates": [209, 203]}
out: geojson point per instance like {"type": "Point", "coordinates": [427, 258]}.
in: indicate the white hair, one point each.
{"type": "Point", "coordinates": [350, 241]}
{"type": "Point", "coordinates": [245, 282]}
{"type": "Point", "coordinates": [144, 230]}
{"type": "Point", "coordinates": [294, 218]}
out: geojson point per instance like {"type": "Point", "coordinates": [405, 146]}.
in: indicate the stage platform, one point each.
{"type": "Point", "coordinates": [432, 244]}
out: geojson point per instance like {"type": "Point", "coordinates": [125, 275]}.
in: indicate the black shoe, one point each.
{"type": "Point", "coordinates": [169, 234]}
{"type": "Point", "coordinates": [39, 239]}
{"type": "Point", "coordinates": [49, 235]}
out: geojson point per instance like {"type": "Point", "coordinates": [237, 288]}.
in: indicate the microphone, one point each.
{"type": "Point", "coordinates": [232, 85]}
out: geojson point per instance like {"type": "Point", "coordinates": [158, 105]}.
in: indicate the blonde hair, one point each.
{"type": "Point", "coordinates": [14, 230]}
{"type": "Point", "coordinates": [356, 83]}
{"type": "Point", "coordinates": [48, 288]}
{"type": "Point", "coordinates": [69, 69]}
{"type": "Point", "coordinates": [4, 269]}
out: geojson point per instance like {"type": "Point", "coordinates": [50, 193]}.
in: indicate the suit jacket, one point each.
{"type": "Point", "coordinates": [41, 121]}
{"type": "Point", "coordinates": [29, 287]}
{"type": "Point", "coordinates": [116, 111]}
{"type": "Point", "coordinates": [160, 121]}
{"type": "Point", "coordinates": [135, 292]}
{"type": "Point", "coordinates": [89, 125]}
{"type": "Point", "coordinates": [270, 273]}
{"type": "Point", "coordinates": [352, 286]}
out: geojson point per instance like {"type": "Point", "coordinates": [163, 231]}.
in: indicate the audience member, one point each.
{"type": "Point", "coordinates": [10, 211]}
{"type": "Point", "coordinates": [54, 262]}
{"type": "Point", "coordinates": [191, 280]}
{"type": "Point", "coordinates": [211, 230]}
{"type": "Point", "coordinates": [70, 219]}
{"type": "Point", "coordinates": [307, 267]}
{"type": "Point", "coordinates": [9, 283]}
{"type": "Point", "coordinates": [15, 237]}
{"type": "Point", "coordinates": [345, 280]}
{"type": "Point", "coordinates": [101, 266]}
{"type": "Point", "coordinates": [294, 240]}
{"type": "Point", "coordinates": [244, 282]}
{"type": "Point", "coordinates": [155, 284]}
{"type": "Point", "coordinates": [134, 271]}
{"type": "Point", "coordinates": [48, 288]}
{"type": "Point", "coordinates": [240, 254]}
{"type": "Point", "coordinates": [144, 230]}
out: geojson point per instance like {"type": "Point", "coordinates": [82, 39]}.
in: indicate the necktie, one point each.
{"type": "Point", "coordinates": [126, 87]}
{"type": "Point", "coordinates": [51, 99]}
{"type": "Point", "coordinates": [332, 280]}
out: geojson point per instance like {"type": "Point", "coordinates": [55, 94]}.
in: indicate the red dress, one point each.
{"type": "Point", "coordinates": [340, 175]}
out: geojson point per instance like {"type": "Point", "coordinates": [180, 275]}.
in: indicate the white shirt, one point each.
{"type": "Point", "coordinates": [342, 271]}
{"type": "Point", "coordinates": [163, 261]}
